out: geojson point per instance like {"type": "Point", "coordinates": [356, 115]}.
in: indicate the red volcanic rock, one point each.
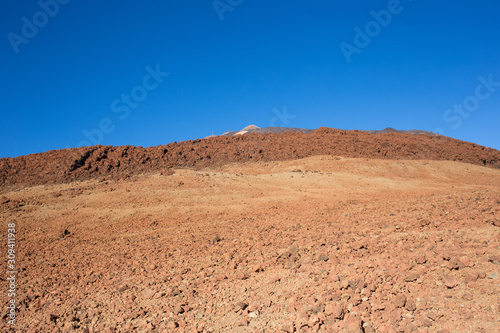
{"type": "Point", "coordinates": [288, 328]}
{"type": "Point", "coordinates": [313, 321]}
{"type": "Point", "coordinates": [242, 321]}
{"type": "Point", "coordinates": [450, 282]}
{"type": "Point", "coordinates": [494, 259]}
{"type": "Point", "coordinates": [421, 260]}
{"type": "Point", "coordinates": [247, 245]}
{"type": "Point", "coordinates": [149, 293]}
{"type": "Point", "coordinates": [454, 263]}
{"type": "Point", "coordinates": [353, 324]}
{"type": "Point", "coordinates": [335, 311]}
{"type": "Point", "coordinates": [171, 325]}
{"type": "Point", "coordinates": [410, 305]}
{"type": "Point", "coordinates": [472, 277]}
{"type": "Point", "coordinates": [399, 301]}
{"type": "Point", "coordinates": [412, 277]}
{"type": "Point", "coordinates": [66, 165]}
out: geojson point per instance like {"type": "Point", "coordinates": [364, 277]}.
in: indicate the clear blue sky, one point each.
{"type": "Point", "coordinates": [85, 66]}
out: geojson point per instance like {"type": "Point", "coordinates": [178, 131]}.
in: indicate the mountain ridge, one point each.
{"type": "Point", "coordinates": [255, 129]}
{"type": "Point", "coordinates": [71, 164]}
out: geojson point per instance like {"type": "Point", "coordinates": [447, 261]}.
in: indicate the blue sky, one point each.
{"type": "Point", "coordinates": [147, 73]}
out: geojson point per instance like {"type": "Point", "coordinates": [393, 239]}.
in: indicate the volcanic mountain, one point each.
{"type": "Point", "coordinates": [256, 129]}
{"type": "Point", "coordinates": [298, 231]}
{"type": "Point", "coordinates": [249, 144]}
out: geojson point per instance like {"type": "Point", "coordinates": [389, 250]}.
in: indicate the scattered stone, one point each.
{"type": "Point", "coordinates": [240, 306]}
{"type": "Point", "coordinates": [480, 251]}
{"type": "Point", "coordinates": [353, 324]}
{"type": "Point", "coordinates": [494, 259]}
{"type": "Point", "coordinates": [426, 322]}
{"type": "Point", "coordinates": [242, 276]}
{"type": "Point", "coordinates": [454, 263]}
{"type": "Point", "coordinates": [493, 276]}
{"type": "Point", "coordinates": [275, 279]}
{"type": "Point", "coordinates": [410, 305]}
{"type": "Point", "coordinates": [421, 260]}
{"type": "Point", "coordinates": [377, 305]}
{"type": "Point", "coordinates": [399, 301]}
{"type": "Point", "coordinates": [171, 325]}
{"type": "Point", "coordinates": [313, 321]}
{"type": "Point", "coordinates": [175, 291]}
{"type": "Point", "coordinates": [254, 308]}
{"type": "Point", "coordinates": [148, 293]}
{"type": "Point", "coordinates": [467, 262]}
{"type": "Point", "coordinates": [323, 258]}
{"type": "Point", "coordinates": [450, 282]}
{"type": "Point", "coordinates": [216, 239]}
{"type": "Point", "coordinates": [128, 328]}
{"type": "Point", "coordinates": [243, 321]}
{"type": "Point", "coordinates": [367, 328]}
{"type": "Point", "coordinates": [344, 284]}
{"type": "Point", "coordinates": [472, 277]}
{"type": "Point", "coordinates": [335, 311]}
{"type": "Point", "coordinates": [412, 277]}
{"type": "Point", "coordinates": [257, 268]}
{"type": "Point", "coordinates": [178, 309]}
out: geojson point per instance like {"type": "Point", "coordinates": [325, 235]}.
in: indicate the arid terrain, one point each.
{"type": "Point", "coordinates": [294, 239]}
{"type": "Point", "coordinates": [66, 165]}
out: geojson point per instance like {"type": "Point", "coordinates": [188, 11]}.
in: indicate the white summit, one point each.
{"type": "Point", "coordinates": [247, 129]}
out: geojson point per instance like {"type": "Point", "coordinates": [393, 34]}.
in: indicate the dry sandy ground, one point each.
{"type": "Point", "coordinates": [324, 244]}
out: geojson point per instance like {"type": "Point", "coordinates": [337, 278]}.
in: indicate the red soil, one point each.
{"type": "Point", "coordinates": [67, 165]}
{"type": "Point", "coordinates": [256, 233]}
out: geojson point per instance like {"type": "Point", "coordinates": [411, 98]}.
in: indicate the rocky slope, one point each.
{"type": "Point", "coordinates": [118, 162]}
{"type": "Point", "coordinates": [322, 244]}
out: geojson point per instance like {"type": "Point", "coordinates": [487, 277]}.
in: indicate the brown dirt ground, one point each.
{"type": "Point", "coordinates": [320, 244]}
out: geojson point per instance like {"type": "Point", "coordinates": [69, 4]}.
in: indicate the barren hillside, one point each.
{"type": "Point", "coordinates": [321, 244]}
{"type": "Point", "coordinates": [120, 162]}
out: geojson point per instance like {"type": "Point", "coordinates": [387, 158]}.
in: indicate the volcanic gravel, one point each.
{"type": "Point", "coordinates": [322, 244]}
{"type": "Point", "coordinates": [332, 231]}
